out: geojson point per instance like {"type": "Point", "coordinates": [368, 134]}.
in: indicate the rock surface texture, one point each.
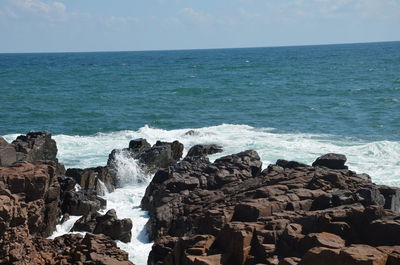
{"type": "Point", "coordinates": [31, 147]}
{"type": "Point", "coordinates": [33, 196]}
{"type": "Point", "coordinates": [232, 212]}
{"type": "Point", "coordinates": [107, 224]}
{"type": "Point", "coordinates": [151, 158]}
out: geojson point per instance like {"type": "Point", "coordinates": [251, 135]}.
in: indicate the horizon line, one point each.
{"type": "Point", "coordinates": [200, 49]}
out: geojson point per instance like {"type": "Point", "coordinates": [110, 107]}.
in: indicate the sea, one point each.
{"type": "Point", "coordinates": [293, 103]}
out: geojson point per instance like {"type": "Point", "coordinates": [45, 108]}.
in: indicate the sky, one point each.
{"type": "Point", "coordinates": [127, 25]}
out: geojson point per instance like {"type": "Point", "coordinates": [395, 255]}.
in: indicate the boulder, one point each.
{"type": "Point", "coordinates": [31, 147]}
{"type": "Point", "coordinates": [81, 202]}
{"type": "Point", "coordinates": [107, 224]}
{"type": "Point", "coordinates": [160, 155]}
{"type": "Point", "coordinates": [204, 149]}
{"type": "Point", "coordinates": [332, 161]}
{"type": "Point", "coordinates": [99, 179]}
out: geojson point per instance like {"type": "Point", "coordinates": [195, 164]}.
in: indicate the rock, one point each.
{"type": "Point", "coordinates": [97, 179]}
{"type": "Point", "coordinates": [393, 254]}
{"type": "Point", "coordinates": [383, 232]}
{"type": "Point", "coordinates": [160, 155]}
{"type": "Point", "coordinates": [191, 133]}
{"type": "Point", "coordinates": [289, 213]}
{"type": "Point", "coordinates": [371, 196]}
{"type": "Point", "coordinates": [108, 224]}
{"type": "Point", "coordinates": [392, 197]}
{"type": "Point", "coordinates": [38, 192]}
{"type": "Point", "coordinates": [31, 147]}
{"type": "Point", "coordinates": [30, 197]}
{"type": "Point", "coordinates": [332, 161]}
{"type": "Point", "coordinates": [139, 145]}
{"type": "Point", "coordinates": [354, 254]}
{"type": "Point", "coordinates": [323, 239]}
{"type": "Point", "coordinates": [203, 150]}
{"type": "Point", "coordinates": [81, 202]}
{"type": "Point", "coordinates": [91, 249]}
{"type": "Point", "coordinates": [362, 254]}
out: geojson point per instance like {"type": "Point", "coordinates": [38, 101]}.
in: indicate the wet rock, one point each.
{"type": "Point", "coordinates": [392, 197]}
{"type": "Point", "coordinates": [160, 155]}
{"type": "Point", "coordinates": [139, 145]}
{"type": "Point", "coordinates": [332, 161]}
{"type": "Point", "coordinates": [97, 179]}
{"type": "Point", "coordinates": [192, 133]}
{"type": "Point", "coordinates": [108, 224]}
{"type": "Point", "coordinates": [204, 150]}
{"type": "Point", "coordinates": [81, 202]}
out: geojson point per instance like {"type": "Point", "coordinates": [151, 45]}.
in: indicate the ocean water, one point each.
{"type": "Point", "coordinates": [295, 103]}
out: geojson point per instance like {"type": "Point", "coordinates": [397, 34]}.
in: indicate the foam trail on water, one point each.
{"type": "Point", "coordinates": [379, 159]}
{"type": "Point", "coordinates": [65, 227]}
{"type": "Point", "coordinates": [126, 201]}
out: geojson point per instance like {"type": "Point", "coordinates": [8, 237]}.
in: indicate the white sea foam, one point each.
{"type": "Point", "coordinates": [65, 227]}
{"type": "Point", "coordinates": [379, 159]}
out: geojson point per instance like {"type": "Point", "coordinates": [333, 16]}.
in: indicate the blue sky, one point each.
{"type": "Point", "coordinates": [99, 25]}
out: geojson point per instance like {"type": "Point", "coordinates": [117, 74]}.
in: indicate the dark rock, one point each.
{"type": "Point", "coordinates": [94, 179]}
{"type": "Point", "coordinates": [107, 224]}
{"type": "Point", "coordinates": [139, 145]}
{"type": "Point", "coordinates": [203, 150]}
{"type": "Point", "coordinates": [332, 161]}
{"type": "Point", "coordinates": [81, 202]}
{"type": "Point", "coordinates": [192, 133]}
{"type": "Point", "coordinates": [31, 147]}
{"type": "Point", "coordinates": [289, 164]}
{"type": "Point", "coordinates": [392, 197]}
{"type": "Point", "coordinates": [160, 155]}
{"type": "Point", "coordinates": [289, 213]}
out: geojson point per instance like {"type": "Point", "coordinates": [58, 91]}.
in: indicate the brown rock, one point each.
{"type": "Point", "coordinates": [323, 239]}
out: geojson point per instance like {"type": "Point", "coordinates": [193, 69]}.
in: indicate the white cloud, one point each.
{"type": "Point", "coordinates": [54, 11]}
{"type": "Point", "coordinates": [195, 15]}
{"type": "Point", "coordinates": [49, 10]}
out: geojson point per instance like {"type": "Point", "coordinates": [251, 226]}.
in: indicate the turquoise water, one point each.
{"type": "Point", "coordinates": [295, 103]}
{"type": "Point", "coordinates": [343, 90]}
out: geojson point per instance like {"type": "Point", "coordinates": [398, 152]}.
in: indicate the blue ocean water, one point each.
{"type": "Point", "coordinates": [295, 103]}
{"type": "Point", "coordinates": [350, 90]}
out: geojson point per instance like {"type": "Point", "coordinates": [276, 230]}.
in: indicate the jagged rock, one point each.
{"type": "Point", "coordinates": [290, 213]}
{"type": "Point", "coordinates": [31, 147]}
{"type": "Point", "coordinates": [38, 192]}
{"type": "Point", "coordinates": [108, 224]}
{"type": "Point", "coordinates": [95, 178]}
{"type": "Point", "coordinates": [139, 145]}
{"type": "Point", "coordinates": [81, 202]}
{"type": "Point", "coordinates": [392, 197]}
{"type": "Point", "coordinates": [160, 155]}
{"type": "Point", "coordinates": [204, 149]}
{"type": "Point", "coordinates": [354, 254]}
{"type": "Point", "coordinates": [332, 161]}
{"type": "Point", "coordinates": [30, 194]}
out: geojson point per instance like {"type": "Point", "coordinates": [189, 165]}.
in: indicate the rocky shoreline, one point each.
{"type": "Point", "coordinates": [226, 212]}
